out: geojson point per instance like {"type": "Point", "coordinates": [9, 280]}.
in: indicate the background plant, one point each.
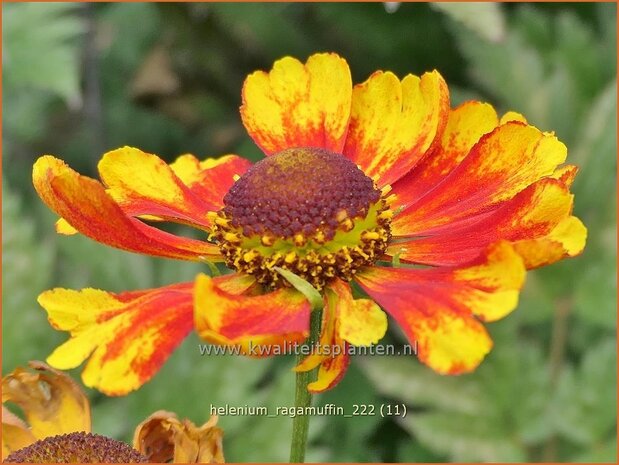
{"type": "Point", "coordinates": [80, 79]}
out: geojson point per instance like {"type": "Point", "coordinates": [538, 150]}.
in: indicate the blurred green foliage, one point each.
{"type": "Point", "coordinates": [81, 79]}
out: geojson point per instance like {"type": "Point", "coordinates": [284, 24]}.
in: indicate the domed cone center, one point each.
{"type": "Point", "coordinates": [299, 191]}
{"type": "Point", "coordinates": [308, 210]}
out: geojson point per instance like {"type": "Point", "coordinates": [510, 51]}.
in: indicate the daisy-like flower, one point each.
{"type": "Point", "coordinates": [435, 212]}
{"type": "Point", "coordinates": [58, 427]}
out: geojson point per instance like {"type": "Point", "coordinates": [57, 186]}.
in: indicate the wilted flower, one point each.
{"type": "Point", "coordinates": [58, 427]}
{"type": "Point", "coordinates": [52, 404]}
{"type": "Point", "coordinates": [164, 438]}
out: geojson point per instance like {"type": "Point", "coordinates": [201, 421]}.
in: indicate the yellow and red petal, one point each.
{"type": "Point", "coordinates": [63, 227]}
{"type": "Point", "coordinates": [210, 179]}
{"type": "Point", "coordinates": [502, 164]}
{"type": "Point", "coordinates": [144, 184]}
{"type": "Point", "coordinates": [51, 401]}
{"type": "Point", "coordinates": [437, 308]}
{"type": "Point", "coordinates": [327, 337]}
{"type": "Point", "coordinates": [512, 116]}
{"type": "Point", "coordinates": [394, 123]}
{"type": "Point", "coordinates": [87, 207]}
{"type": "Point", "coordinates": [331, 370]}
{"type": "Point", "coordinates": [359, 321]}
{"type": "Point", "coordinates": [184, 191]}
{"type": "Point", "coordinates": [566, 239]}
{"type": "Point", "coordinates": [537, 222]}
{"type": "Point", "coordinates": [297, 105]}
{"type": "Point", "coordinates": [344, 320]}
{"type": "Point", "coordinates": [466, 125]}
{"type": "Point", "coordinates": [331, 353]}
{"type": "Point", "coordinates": [566, 174]}
{"type": "Point", "coordinates": [127, 337]}
{"type": "Point", "coordinates": [226, 317]}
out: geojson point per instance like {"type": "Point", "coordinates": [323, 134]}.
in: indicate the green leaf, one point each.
{"type": "Point", "coordinates": [485, 19]}
{"type": "Point", "coordinates": [485, 425]}
{"type": "Point", "coordinates": [464, 437]}
{"type": "Point", "coordinates": [584, 408]}
{"type": "Point", "coordinates": [547, 67]}
{"type": "Point", "coordinates": [581, 54]}
{"type": "Point", "coordinates": [414, 452]}
{"type": "Point", "coordinates": [516, 382]}
{"type": "Point", "coordinates": [405, 379]}
{"type": "Point", "coordinates": [600, 453]}
{"type": "Point", "coordinates": [40, 49]}
{"type": "Point", "coordinates": [354, 389]}
{"type": "Point", "coordinates": [595, 151]}
{"type": "Point", "coordinates": [595, 203]}
{"type": "Point", "coordinates": [511, 70]}
{"type": "Point", "coordinates": [301, 285]}
{"type": "Point", "coordinates": [263, 28]}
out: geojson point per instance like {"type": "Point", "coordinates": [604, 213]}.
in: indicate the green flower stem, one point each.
{"type": "Point", "coordinates": [302, 397]}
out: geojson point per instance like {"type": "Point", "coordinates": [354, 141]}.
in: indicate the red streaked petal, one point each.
{"type": "Point", "coordinates": [436, 307]}
{"type": "Point", "coordinates": [503, 163]}
{"type": "Point", "coordinates": [273, 319]}
{"type": "Point", "coordinates": [327, 337]}
{"type": "Point", "coordinates": [512, 116]}
{"type": "Point", "coordinates": [210, 179]}
{"type": "Point", "coordinates": [87, 207]}
{"type": "Point", "coordinates": [393, 123]}
{"type": "Point", "coordinates": [63, 227]}
{"type": "Point", "coordinates": [566, 174]}
{"type": "Point", "coordinates": [465, 126]}
{"type": "Point", "coordinates": [537, 221]}
{"type": "Point", "coordinates": [144, 184]}
{"type": "Point", "coordinates": [127, 337]}
{"type": "Point", "coordinates": [566, 239]}
{"type": "Point", "coordinates": [297, 105]}
{"type": "Point", "coordinates": [359, 321]}
{"type": "Point", "coordinates": [332, 353]}
{"type": "Point", "coordinates": [331, 371]}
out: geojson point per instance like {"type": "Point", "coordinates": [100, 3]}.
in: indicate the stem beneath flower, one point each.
{"type": "Point", "coordinates": [302, 397]}
{"type": "Point", "coordinates": [558, 345]}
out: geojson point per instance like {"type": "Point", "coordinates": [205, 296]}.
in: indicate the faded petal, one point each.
{"type": "Point", "coordinates": [51, 401]}
{"type": "Point", "coordinates": [15, 433]}
{"type": "Point", "coordinates": [163, 438]}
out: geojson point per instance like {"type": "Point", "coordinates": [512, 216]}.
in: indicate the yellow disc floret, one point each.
{"type": "Point", "coordinates": [307, 210]}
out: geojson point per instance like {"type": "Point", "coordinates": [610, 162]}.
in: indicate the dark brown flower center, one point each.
{"type": "Point", "coordinates": [308, 210]}
{"type": "Point", "coordinates": [301, 190]}
{"type": "Point", "coordinates": [77, 448]}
